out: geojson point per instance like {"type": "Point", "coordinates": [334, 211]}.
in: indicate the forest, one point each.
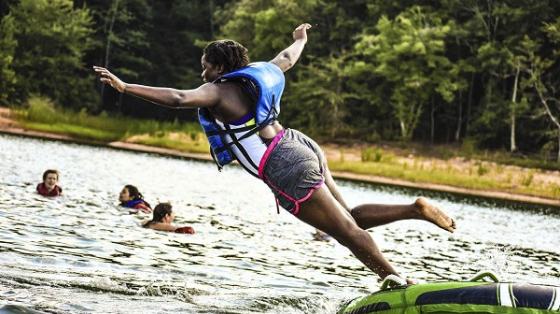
{"type": "Point", "coordinates": [481, 72]}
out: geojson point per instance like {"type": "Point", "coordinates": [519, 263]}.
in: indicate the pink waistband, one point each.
{"type": "Point", "coordinates": [269, 150]}
{"type": "Point", "coordinates": [297, 202]}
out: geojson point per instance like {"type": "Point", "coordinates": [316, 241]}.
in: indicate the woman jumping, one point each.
{"type": "Point", "coordinates": [238, 110]}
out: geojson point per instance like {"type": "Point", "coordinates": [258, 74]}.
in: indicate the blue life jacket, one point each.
{"type": "Point", "coordinates": [268, 81]}
{"type": "Point", "coordinates": [132, 203]}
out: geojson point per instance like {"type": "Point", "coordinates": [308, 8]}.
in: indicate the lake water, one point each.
{"type": "Point", "coordinates": [81, 253]}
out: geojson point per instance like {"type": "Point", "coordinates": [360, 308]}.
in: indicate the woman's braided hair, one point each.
{"type": "Point", "coordinates": [227, 53]}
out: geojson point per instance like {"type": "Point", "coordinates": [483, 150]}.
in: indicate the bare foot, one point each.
{"type": "Point", "coordinates": [434, 215]}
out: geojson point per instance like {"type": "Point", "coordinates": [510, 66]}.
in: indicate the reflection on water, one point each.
{"type": "Point", "coordinates": [82, 253]}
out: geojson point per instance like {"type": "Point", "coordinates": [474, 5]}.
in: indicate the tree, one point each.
{"type": "Point", "coordinates": [544, 78]}
{"type": "Point", "coordinates": [408, 54]}
{"type": "Point", "coordinates": [5, 7]}
{"type": "Point", "coordinates": [52, 38]}
{"type": "Point", "coordinates": [122, 35]}
{"type": "Point", "coordinates": [263, 26]}
{"type": "Point", "coordinates": [155, 42]}
{"type": "Point", "coordinates": [498, 55]}
{"type": "Point", "coordinates": [8, 46]}
{"type": "Point", "coordinates": [319, 97]}
{"type": "Point", "coordinates": [503, 56]}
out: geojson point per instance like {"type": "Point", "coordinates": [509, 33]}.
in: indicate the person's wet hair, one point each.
{"type": "Point", "coordinates": [227, 53]}
{"type": "Point", "coordinates": [135, 194]}
{"type": "Point", "coordinates": [161, 210]}
{"type": "Point", "coordinates": [49, 171]}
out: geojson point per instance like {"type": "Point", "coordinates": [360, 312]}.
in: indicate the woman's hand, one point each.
{"type": "Point", "coordinates": [300, 33]}
{"type": "Point", "coordinates": [109, 78]}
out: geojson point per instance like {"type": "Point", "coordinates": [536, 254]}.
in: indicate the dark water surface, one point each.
{"type": "Point", "coordinates": [81, 253]}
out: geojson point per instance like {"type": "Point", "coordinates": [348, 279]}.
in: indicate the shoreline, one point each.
{"type": "Point", "coordinates": [371, 179]}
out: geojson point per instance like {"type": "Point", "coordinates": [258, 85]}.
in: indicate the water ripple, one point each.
{"type": "Point", "coordinates": [82, 253]}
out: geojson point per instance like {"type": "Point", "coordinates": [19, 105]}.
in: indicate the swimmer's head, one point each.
{"type": "Point", "coordinates": [163, 213]}
{"type": "Point", "coordinates": [221, 57]}
{"type": "Point", "coordinates": [50, 178]}
{"type": "Point", "coordinates": [128, 193]}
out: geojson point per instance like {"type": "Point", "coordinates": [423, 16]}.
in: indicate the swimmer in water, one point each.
{"type": "Point", "coordinates": [131, 198]}
{"type": "Point", "coordinates": [49, 186]}
{"type": "Point", "coordinates": [162, 219]}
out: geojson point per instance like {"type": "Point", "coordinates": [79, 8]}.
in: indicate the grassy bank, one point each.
{"type": "Point", "coordinates": [477, 176]}
{"type": "Point", "coordinates": [41, 115]}
{"type": "Point", "coordinates": [465, 172]}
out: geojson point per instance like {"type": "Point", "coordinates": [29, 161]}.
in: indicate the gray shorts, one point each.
{"type": "Point", "coordinates": [292, 167]}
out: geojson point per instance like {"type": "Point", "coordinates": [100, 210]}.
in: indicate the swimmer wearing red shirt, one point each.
{"type": "Point", "coordinates": [49, 187]}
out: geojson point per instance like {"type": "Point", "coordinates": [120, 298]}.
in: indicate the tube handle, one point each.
{"type": "Point", "coordinates": [392, 280]}
{"type": "Point", "coordinates": [480, 276]}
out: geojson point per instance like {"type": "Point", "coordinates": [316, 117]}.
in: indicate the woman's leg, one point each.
{"type": "Point", "coordinates": [323, 211]}
{"type": "Point", "coordinates": [373, 215]}
{"type": "Point", "coordinates": [333, 188]}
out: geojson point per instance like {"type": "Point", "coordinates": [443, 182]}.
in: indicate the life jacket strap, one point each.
{"type": "Point", "coordinates": [227, 145]}
{"type": "Point", "coordinates": [230, 131]}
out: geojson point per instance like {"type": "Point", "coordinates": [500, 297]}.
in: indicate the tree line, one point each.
{"type": "Point", "coordinates": [447, 71]}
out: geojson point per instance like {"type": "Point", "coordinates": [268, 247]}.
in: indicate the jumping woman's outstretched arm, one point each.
{"type": "Point", "coordinates": [204, 96]}
{"type": "Point", "coordinates": [289, 56]}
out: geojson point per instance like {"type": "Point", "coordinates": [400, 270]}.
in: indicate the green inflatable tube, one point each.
{"type": "Point", "coordinates": [459, 297]}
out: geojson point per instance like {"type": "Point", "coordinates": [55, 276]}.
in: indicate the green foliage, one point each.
{"type": "Point", "coordinates": [456, 71]}
{"type": "Point", "coordinates": [367, 154]}
{"type": "Point", "coordinates": [199, 146]}
{"type": "Point", "coordinates": [555, 188]}
{"type": "Point", "coordinates": [175, 28]}
{"type": "Point", "coordinates": [40, 113]}
{"type": "Point", "coordinates": [52, 38]}
{"type": "Point", "coordinates": [417, 173]}
{"type": "Point", "coordinates": [528, 179]}
{"type": "Point", "coordinates": [319, 97]}
{"type": "Point", "coordinates": [407, 53]}
{"type": "Point", "coordinates": [264, 26]}
{"type": "Point", "coordinates": [481, 169]}
{"type": "Point", "coordinates": [7, 49]}
{"type": "Point", "coordinates": [376, 155]}
{"type": "Point", "coordinates": [123, 41]}
{"type": "Point", "coordinates": [468, 147]}
{"type": "Point", "coordinates": [41, 109]}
